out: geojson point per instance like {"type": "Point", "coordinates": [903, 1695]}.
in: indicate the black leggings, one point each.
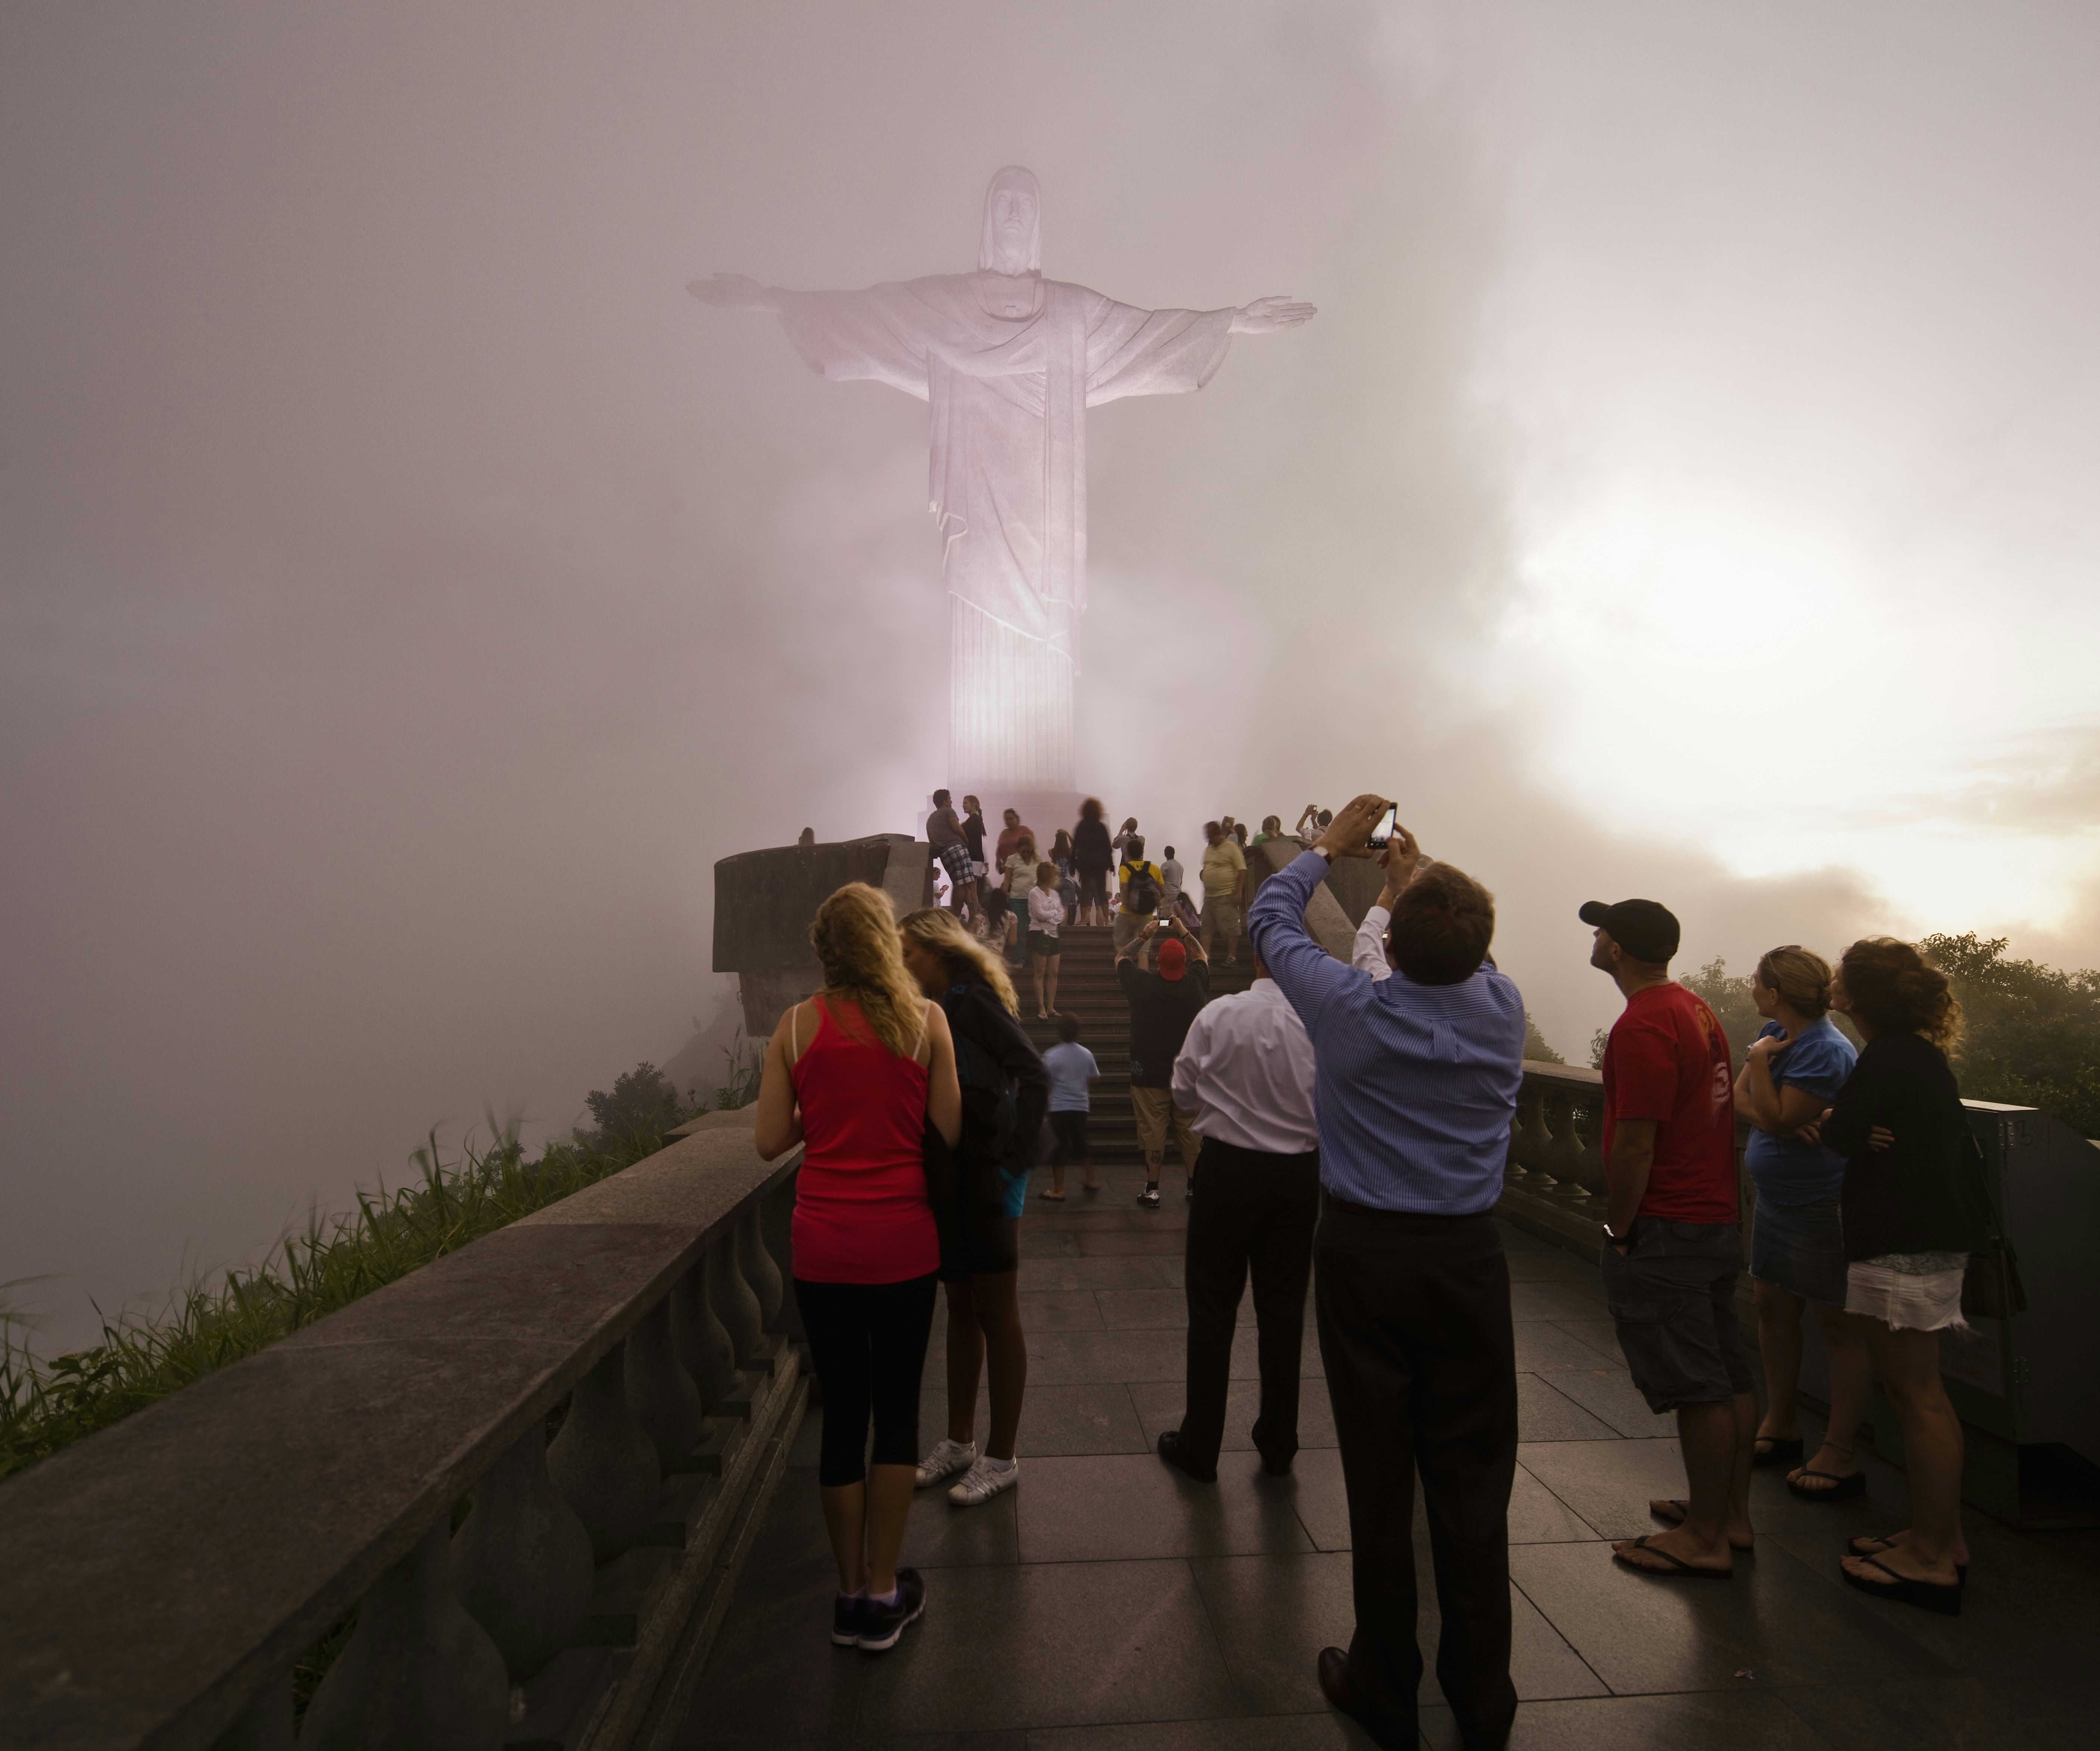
{"type": "Point", "coordinates": [868, 1341]}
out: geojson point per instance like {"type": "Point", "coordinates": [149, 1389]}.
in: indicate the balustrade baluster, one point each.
{"type": "Point", "coordinates": [1513, 1157]}
{"type": "Point", "coordinates": [778, 1225]}
{"type": "Point", "coordinates": [1593, 1155]}
{"type": "Point", "coordinates": [416, 1672]}
{"type": "Point", "coordinates": [603, 1463]}
{"type": "Point", "coordinates": [735, 1304]}
{"type": "Point", "coordinates": [1566, 1160]}
{"type": "Point", "coordinates": [660, 1391]}
{"type": "Point", "coordinates": [523, 1559]}
{"type": "Point", "coordinates": [267, 1726]}
{"type": "Point", "coordinates": [759, 1269]}
{"type": "Point", "coordinates": [1538, 1137]}
{"type": "Point", "coordinates": [704, 1346]}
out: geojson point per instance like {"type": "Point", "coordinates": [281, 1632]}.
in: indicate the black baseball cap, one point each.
{"type": "Point", "coordinates": [1646, 929]}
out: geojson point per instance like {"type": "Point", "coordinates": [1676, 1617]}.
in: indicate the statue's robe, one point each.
{"type": "Point", "coordinates": [1009, 365]}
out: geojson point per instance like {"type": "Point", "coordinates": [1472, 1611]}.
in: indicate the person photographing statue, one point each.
{"type": "Point", "coordinates": [1415, 1082]}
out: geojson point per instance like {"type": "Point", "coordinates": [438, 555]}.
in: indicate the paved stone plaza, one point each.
{"type": "Point", "coordinates": [1110, 1604]}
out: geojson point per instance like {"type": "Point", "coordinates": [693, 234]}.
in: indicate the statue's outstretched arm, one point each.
{"type": "Point", "coordinates": [1265, 316]}
{"type": "Point", "coordinates": [735, 292]}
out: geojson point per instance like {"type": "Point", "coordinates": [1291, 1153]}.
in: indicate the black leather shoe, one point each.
{"type": "Point", "coordinates": [1275, 1468]}
{"type": "Point", "coordinates": [1170, 1450]}
{"type": "Point", "coordinates": [1338, 1687]}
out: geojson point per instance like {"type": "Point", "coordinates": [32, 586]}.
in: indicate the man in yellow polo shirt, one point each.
{"type": "Point", "coordinates": [1224, 890]}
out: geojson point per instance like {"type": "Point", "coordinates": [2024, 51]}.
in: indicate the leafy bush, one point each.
{"type": "Point", "coordinates": [141, 1359]}
{"type": "Point", "coordinates": [2032, 1033]}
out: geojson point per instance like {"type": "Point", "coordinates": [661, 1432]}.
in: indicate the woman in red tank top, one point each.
{"type": "Point", "coordinates": [855, 1075]}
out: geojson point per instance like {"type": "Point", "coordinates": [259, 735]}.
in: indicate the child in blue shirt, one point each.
{"type": "Point", "coordinates": [1073, 1074]}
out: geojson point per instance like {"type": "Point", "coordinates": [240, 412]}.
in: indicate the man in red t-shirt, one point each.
{"type": "Point", "coordinates": [1672, 1244]}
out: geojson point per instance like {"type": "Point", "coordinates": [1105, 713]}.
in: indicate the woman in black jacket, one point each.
{"type": "Point", "coordinates": [1914, 1209]}
{"type": "Point", "coordinates": [979, 1197]}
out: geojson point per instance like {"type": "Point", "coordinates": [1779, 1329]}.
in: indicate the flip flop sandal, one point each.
{"type": "Point", "coordinates": [1859, 1546]}
{"type": "Point", "coordinates": [1841, 1488]}
{"type": "Point", "coordinates": [1684, 1513]}
{"type": "Point", "coordinates": [1779, 1453]}
{"type": "Point", "coordinates": [1679, 1569]}
{"type": "Point", "coordinates": [1927, 1595]}
{"type": "Point", "coordinates": [1055, 1197]}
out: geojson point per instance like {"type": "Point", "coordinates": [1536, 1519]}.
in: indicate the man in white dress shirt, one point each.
{"type": "Point", "coordinates": [1369, 954]}
{"type": "Point", "coordinates": [1245, 1071]}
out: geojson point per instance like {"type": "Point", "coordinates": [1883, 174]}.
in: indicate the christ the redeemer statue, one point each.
{"type": "Point", "coordinates": [1009, 363]}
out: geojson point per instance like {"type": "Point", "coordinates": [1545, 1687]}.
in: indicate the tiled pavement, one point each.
{"type": "Point", "coordinates": [1110, 1605]}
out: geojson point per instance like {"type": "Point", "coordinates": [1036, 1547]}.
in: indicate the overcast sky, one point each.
{"type": "Point", "coordinates": [409, 592]}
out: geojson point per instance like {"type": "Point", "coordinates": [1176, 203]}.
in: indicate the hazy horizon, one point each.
{"type": "Point", "coordinates": [410, 591]}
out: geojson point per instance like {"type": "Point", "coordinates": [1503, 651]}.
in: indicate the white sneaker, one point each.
{"type": "Point", "coordinates": [946, 1458]}
{"type": "Point", "coordinates": [981, 1482]}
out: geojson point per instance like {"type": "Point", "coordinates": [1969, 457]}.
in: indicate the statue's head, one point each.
{"type": "Point", "coordinates": [1012, 238]}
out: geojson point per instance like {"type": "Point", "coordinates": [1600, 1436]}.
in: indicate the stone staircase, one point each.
{"type": "Point", "coordinates": [1087, 988]}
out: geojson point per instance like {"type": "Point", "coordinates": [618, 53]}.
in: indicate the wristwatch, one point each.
{"type": "Point", "coordinates": [1324, 852]}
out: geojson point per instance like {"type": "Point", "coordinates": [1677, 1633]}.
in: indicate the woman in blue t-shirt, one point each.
{"type": "Point", "coordinates": [1793, 1071]}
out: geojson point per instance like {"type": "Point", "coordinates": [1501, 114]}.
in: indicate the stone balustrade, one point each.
{"type": "Point", "coordinates": [162, 1577]}
{"type": "Point", "coordinates": [1554, 1181]}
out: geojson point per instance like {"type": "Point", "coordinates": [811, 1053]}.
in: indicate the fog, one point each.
{"type": "Point", "coordinates": [409, 592]}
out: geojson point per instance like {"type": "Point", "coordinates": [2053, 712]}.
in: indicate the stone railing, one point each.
{"type": "Point", "coordinates": [1554, 1181]}
{"type": "Point", "coordinates": [163, 1578]}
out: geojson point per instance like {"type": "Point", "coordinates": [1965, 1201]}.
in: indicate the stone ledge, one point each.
{"type": "Point", "coordinates": [165, 1571]}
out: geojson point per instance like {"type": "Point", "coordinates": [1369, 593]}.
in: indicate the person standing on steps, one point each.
{"type": "Point", "coordinates": [1073, 1074]}
{"type": "Point", "coordinates": [1171, 874]}
{"type": "Point", "coordinates": [1005, 1091]}
{"type": "Point", "coordinates": [1792, 1072]}
{"type": "Point", "coordinates": [1245, 1070]}
{"type": "Point", "coordinates": [1163, 1004]}
{"type": "Point", "coordinates": [859, 1075]}
{"type": "Point", "coordinates": [1139, 886]}
{"type": "Point", "coordinates": [1093, 856]}
{"type": "Point", "coordinates": [1225, 889]}
{"type": "Point", "coordinates": [1046, 916]}
{"type": "Point", "coordinates": [983, 906]}
{"type": "Point", "coordinates": [1416, 1082]}
{"type": "Point", "coordinates": [1068, 876]}
{"type": "Point", "coordinates": [1672, 1243]}
{"type": "Point", "coordinates": [944, 833]}
{"type": "Point", "coordinates": [1019, 871]}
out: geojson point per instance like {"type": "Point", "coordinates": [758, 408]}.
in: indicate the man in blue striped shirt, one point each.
{"type": "Point", "coordinates": [1416, 1080]}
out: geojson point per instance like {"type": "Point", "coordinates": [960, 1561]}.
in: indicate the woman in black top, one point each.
{"type": "Point", "coordinates": [979, 1200]}
{"type": "Point", "coordinates": [1913, 1207]}
{"type": "Point", "coordinates": [1093, 856]}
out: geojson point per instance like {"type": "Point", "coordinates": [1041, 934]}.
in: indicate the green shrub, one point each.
{"type": "Point", "coordinates": [142, 1358]}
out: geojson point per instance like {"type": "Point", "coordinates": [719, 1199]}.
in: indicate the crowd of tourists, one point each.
{"type": "Point", "coordinates": [1345, 1127]}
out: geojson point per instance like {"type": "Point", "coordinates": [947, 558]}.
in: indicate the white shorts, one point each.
{"type": "Point", "coordinates": [1904, 1301]}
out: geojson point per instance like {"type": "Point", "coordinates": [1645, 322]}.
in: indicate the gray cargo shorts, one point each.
{"type": "Point", "coordinates": [1672, 1297]}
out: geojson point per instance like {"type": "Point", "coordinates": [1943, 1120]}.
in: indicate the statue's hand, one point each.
{"type": "Point", "coordinates": [732, 292]}
{"type": "Point", "coordinates": [1265, 316]}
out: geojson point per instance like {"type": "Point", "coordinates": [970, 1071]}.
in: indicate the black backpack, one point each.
{"type": "Point", "coordinates": [1145, 894]}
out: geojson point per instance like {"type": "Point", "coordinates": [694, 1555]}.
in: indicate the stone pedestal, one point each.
{"type": "Point", "coordinates": [766, 900]}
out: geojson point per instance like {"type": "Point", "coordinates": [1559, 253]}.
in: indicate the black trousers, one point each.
{"type": "Point", "coordinates": [1255, 1213]}
{"type": "Point", "coordinates": [1414, 1331]}
{"type": "Point", "coordinates": [868, 1344]}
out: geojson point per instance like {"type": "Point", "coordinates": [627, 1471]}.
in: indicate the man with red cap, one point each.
{"type": "Point", "coordinates": [1161, 1006]}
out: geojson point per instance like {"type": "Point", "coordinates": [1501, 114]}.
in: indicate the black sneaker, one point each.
{"type": "Point", "coordinates": [881, 1625]}
{"type": "Point", "coordinates": [1170, 1450]}
{"type": "Point", "coordinates": [1150, 1197]}
{"type": "Point", "coordinates": [848, 1610]}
